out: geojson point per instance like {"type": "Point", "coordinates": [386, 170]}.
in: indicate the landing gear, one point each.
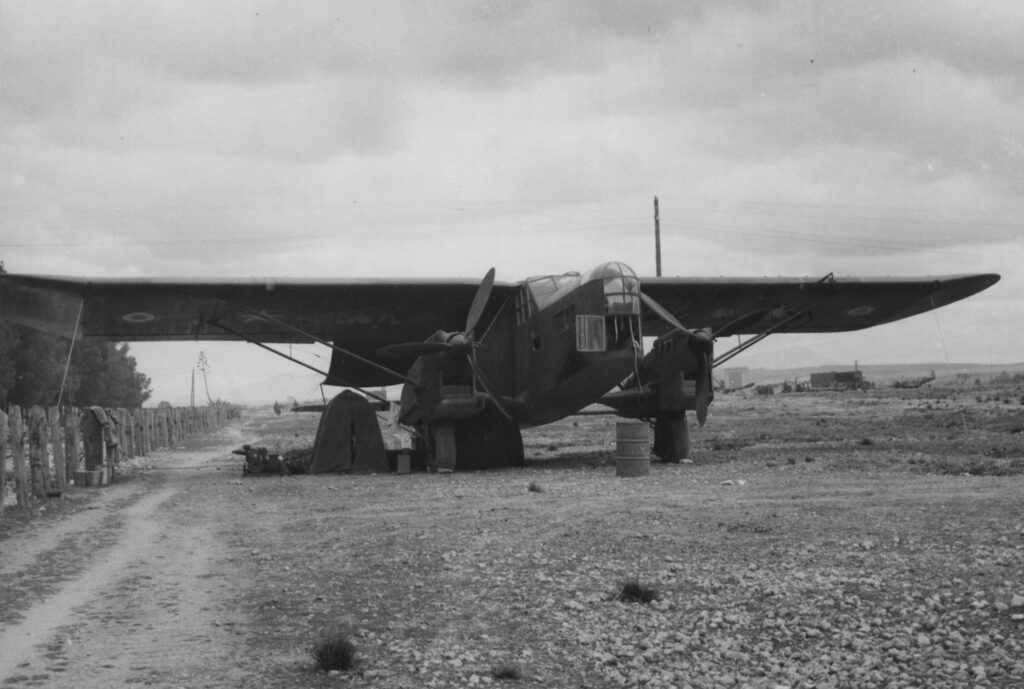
{"type": "Point", "coordinates": [489, 441]}
{"type": "Point", "coordinates": [671, 437]}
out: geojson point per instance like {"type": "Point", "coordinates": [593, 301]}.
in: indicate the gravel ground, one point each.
{"type": "Point", "coordinates": [820, 541]}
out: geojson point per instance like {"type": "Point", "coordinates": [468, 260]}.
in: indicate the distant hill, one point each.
{"type": "Point", "coordinates": [883, 375]}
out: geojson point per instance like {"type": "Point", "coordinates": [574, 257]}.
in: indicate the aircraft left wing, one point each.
{"type": "Point", "coordinates": [358, 315]}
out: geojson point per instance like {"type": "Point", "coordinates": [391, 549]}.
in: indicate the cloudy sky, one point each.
{"type": "Point", "coordinates": [239, 139]}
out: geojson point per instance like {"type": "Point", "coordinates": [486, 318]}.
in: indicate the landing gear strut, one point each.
{"type": "Point", "coordinates": [671, 437]}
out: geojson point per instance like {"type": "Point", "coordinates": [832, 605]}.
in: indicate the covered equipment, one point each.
{"type": "Point", "coordinates": [349, 438]}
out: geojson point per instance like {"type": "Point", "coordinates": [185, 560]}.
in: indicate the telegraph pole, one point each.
{"type": "Point", "coordinates": [657, 239]}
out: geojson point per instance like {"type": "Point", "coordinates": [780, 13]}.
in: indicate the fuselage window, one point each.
{"type": "Point", "coordinates": [524, 306]}
{"type": "Point", "coordinates": [590, 334]}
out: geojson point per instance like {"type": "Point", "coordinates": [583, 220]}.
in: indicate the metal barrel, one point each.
{"type": "Point", "coordinates": [632, 448]}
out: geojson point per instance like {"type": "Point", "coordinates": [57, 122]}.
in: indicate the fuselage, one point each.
{"type": "Point", "coordinates": [571, 339]}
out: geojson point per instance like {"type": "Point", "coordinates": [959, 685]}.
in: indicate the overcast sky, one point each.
{"type": "Point", "coordinates": [238, 139]}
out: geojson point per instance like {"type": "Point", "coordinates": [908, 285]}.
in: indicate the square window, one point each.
{"type": "Point", "coordinates": [590, 334]}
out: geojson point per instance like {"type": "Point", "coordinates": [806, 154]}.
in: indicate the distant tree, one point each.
{"type": "Point", "coordinates": [8, 346]}
{"type": "Point", "coordinates": [38, 362]}
{"type": "Point", "coordinates": [33, 364]}
{"type": "Point", "coordinates": [105, 374]}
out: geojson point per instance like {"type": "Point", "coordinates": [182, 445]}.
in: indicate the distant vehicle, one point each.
{"type": "Point", "coordinates": [528, 353]}
{"type": "Point", "coordinates": [840, 380]}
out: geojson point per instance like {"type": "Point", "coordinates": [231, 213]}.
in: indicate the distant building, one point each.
{"type": "Point", "coordinates": [734, 377]}
{"type": "Point", "coordinates": [839, 380]}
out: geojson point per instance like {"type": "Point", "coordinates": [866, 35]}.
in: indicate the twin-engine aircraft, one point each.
{"type": "Point", "coordinates": [480, 360]}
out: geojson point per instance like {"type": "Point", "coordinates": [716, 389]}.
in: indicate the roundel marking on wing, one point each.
{"type": "Point", "coordinates": [861, 311]}
{"type": "Point", "coordinates": [138, 317]}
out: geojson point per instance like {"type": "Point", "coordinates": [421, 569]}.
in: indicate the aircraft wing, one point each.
{"type": "Point", "coordinates": [355, 314]}
{"type": "Point", "coordinates": [801, 305]}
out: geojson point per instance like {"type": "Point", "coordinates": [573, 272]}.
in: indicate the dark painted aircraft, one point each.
{"type": "Point", "coordinates": [914, 382]}
{"type": "Point", "coordinates": [479, 361]}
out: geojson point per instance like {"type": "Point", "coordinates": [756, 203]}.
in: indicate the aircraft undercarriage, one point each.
{"type": "Point", "coordinates": [672, 436]}
{"type": "Point", "coordinates": [488, 441]}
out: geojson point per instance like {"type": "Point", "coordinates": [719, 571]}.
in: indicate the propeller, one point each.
{"type": "Point", "coordinates": [459, 341]}
{"type": "Point", "coordinates": [480, 299]}
{"type": "Point", "coordinates": [447, 344]}
{"type": "Point", "coordinates": [701, 343]}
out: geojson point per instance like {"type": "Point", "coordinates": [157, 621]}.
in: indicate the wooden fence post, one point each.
{"type": "Point", "coordinates": [163, 420]}
{"type": "Point", "coordinates": [92, 439]}
{"type": "Point", "coordinates": [127, 432]}
{"type": "Point", "coordinates": [60, 474]}
{"type": "Point", "coordinates": [18, 454]}
{"type": "Point", "coordinates": [3, 460]}
{"type": "Point", "coordinates": [37, 456]}
{"type": "Point", "coordinates": [138, 436]}
{"type": "Point", "coordinates": [72, 438]}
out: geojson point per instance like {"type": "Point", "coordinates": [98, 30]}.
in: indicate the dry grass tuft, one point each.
{"type": "Point", "coordinates": [633, 591]}
{"type": "Point", "coordinates": [334, 652]}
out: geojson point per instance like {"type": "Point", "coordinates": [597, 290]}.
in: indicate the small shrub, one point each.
{"type": "Point", "coordinates": [633, 591]}
{"type": "Point", "coordinates": [535, 487]}
{"type": "Point", "coordinates": [867, 441]}
{"type": "Point", "coordinates": [334, 652]}
{"type": "Point", "coordinates": [506, 671]}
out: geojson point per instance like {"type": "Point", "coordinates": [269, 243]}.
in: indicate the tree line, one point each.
{"type": "Point", "coordinates": [33, 366]}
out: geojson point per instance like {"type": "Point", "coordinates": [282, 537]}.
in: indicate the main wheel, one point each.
{"type": "Point", "coordinates": [489, 441]}
{"type": "Point", "coordinates": [672, 437]}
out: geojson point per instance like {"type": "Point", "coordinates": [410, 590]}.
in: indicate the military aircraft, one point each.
{"type": "Point", "coordinates": [480, 360]}
{"type": "Point", "coordinates": [914, 382]}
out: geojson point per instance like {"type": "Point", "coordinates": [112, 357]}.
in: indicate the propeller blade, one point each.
{"type": "Point", "coordinates": [483, 294]}
{"type": "Point", "coordinates": [483, 383]}
{"type": "Point", "coordinates": [405, 350]}
{"type": "Point", "coordinates": [663, 313]}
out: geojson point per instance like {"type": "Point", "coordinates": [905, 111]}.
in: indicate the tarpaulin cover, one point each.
{"type": "Point", "coordinates": [349, 438]}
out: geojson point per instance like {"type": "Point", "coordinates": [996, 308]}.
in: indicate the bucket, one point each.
{"type": "Point", "coordinates": [403, 464]}
{"type": "Point", "coordinates": [632, 448]}
{"type": "Point", "coordinates": [89, 479]}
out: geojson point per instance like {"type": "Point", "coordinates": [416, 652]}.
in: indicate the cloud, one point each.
{"type": "Point", "coordinates": [383, 138]}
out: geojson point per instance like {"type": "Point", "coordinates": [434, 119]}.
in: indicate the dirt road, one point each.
{"type": "Point", "coordinates": [131, 589]}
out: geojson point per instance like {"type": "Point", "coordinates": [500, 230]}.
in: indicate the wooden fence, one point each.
{"type": "Point", "coordinates": [46, 447]}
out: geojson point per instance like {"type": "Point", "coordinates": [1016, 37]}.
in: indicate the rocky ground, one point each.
{"type": "Point", "coordinates": [830, 540]}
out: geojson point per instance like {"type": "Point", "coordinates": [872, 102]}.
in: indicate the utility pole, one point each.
{"type": "Point", "coordinates": [657, 239]}
{"type": "Point", "coordinates": [203, 365]}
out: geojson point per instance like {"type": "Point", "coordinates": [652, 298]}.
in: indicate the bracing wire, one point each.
{"type": "Point", "coordinates": [71, 348]}
{"type": "Point", "coordinates": [945, 352]}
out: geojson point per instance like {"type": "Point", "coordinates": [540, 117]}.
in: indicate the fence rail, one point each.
{"type": "Point", "coordinates": [46, 447]}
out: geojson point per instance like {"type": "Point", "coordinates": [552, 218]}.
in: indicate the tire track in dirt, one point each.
{"type": "Point", "coordinates": [43, 619]}
{"type": "Point", "coordinates": [146, 607]}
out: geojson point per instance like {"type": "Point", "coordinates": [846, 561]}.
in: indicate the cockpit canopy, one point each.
{"type": "Point", "coordinates": [621, 288]}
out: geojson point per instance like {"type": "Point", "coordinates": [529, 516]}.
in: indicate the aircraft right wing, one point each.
{"type": "Point", "coordinates": [749, 306]}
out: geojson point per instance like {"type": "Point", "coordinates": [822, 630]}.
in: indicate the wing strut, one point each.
{"type": "Point", "coordinates": [744, 346]}
{"type": "Point", "coordinates": [276, 321]}
{"type": "Point", "coordinates": [292, 359]}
